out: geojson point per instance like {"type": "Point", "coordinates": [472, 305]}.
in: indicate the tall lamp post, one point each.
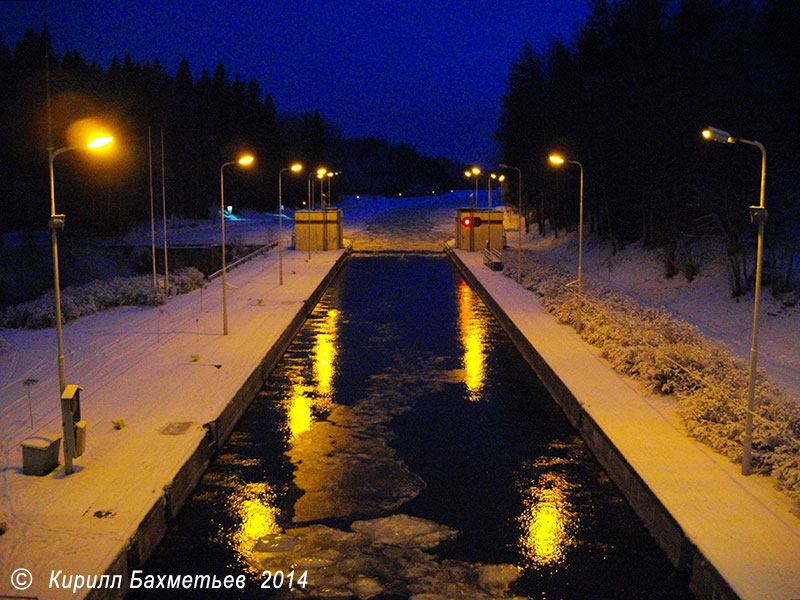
{"type": "Point", "coordinates": [57, 222]}
{"type": "Point", "coordinates": [244, 160]}
{"type": "Point", "coordinates": [295, 168]}
{"type": "Point", "coordinates": [473, 172]}
{"type": "Point", "coordinates": [558, 160]}
{"type": "Point", "coordinates": [519, 225]}
{"type": "Point", "coordinates": [758, 214]}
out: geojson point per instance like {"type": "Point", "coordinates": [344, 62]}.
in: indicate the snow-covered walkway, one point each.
{"type": "Point", "coordinates": [741, 525]}
{"type": "Point", "coordinates": [164, 371]}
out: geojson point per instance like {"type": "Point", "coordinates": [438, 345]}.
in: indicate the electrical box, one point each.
{"type": "Point", "coordinates": [74, 427]}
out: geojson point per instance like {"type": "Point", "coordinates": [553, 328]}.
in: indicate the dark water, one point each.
{"type": "Point", "coordinates": [403, 446]}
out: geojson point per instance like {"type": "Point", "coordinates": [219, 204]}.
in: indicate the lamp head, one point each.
{"type": "Point", "coordinates": [100, 141]}
{"type": "Point", "coordinates": [556, 159]}
{"type": "Point", "coordinates": [296, 168]}
{"type": "Point", "coordinates": [718, 135]}
{"type": "Point", "coordinates": [245, 160]}
{"type": "Point", "coordinates": [475, 171]}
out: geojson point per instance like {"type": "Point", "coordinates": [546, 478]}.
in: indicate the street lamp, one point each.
{"type": "Point", "coordinates": [559, 160]}
{"type": "Point", "coordinates": [758, 214]}
{"type": "Point", "coordinates": [97, 142]}
{"type": "Point", "coordinates": [519, 223]}
{"type": "Point", "coordinates": [243, 160]}
{"type": "Point", "coordinates": [295, 168]}
{"type": "Point", "coordinates": [473, 172]}
{"type": "Point", "coordinates": [321, 172]}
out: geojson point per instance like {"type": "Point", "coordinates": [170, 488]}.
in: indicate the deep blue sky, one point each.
{"type": "Point", "coordinates": [426, 72]}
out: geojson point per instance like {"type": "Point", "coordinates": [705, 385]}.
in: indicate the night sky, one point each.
{"type": "Point", "coordinates": [426, 72]}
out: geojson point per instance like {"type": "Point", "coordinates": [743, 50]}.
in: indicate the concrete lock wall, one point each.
{"type": "Point", "coordinates": [476, 237]}
{"type": "Point", "coordinates": [321, 229]}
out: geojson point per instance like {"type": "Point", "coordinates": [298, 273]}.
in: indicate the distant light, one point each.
{"type": "Point", "coordinates": [358, 197]}
{"type": "Point", "coordinates": [556, 159]}
{"type": "Point", "coordinates": [100, 142]}
{"type": "Point", "coordinates": [321, 171]}
{"type": "Point", "coordinates": [229, 209]}
{"type": "Point", "coordinates": [467, 174]}
{"type": "Point", "coordinates": [246, 159]}
{"type": "Point", "coordinates": [476, 171]}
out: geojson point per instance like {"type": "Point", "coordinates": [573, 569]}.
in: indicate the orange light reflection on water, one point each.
{"type": "Point", "coordinates": [473, 329]}
{"type": "Point", "coordinates": [304, 397]}
{"type": "Point", "coordinates": [548, 521]}
{"type": "Point", "coordinates": [253, 509]}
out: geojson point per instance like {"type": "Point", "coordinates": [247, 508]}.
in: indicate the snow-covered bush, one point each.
{"type": "Point", "coordinates": [185, 281]}
{"type": "Point", "coordinates": [669, 356]}
{"type": "Point", "coordinates": [79, 301]}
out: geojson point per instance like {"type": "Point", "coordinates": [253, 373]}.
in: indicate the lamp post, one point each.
{"type": "Point", "coordinates": [244, 160]}
{"type": "Point", "coordinates": [558, 160]}
{"type": "Point", "coordinates": [295, 168]}
{"type": "Point", "coordinates": [519, 224]}
{"type": "Point", "coordinates": [473, 172]}
{"type": "Point", "coordinates": [57, 222]}
{"type": "Point", "coordinates": [758, 214]}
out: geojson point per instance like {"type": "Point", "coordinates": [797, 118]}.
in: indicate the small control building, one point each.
{"type": "Point", "coordinates": [479, 228]}
{"type": "Point", "coordinates": [319, 229]}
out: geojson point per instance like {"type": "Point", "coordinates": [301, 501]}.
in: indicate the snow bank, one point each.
{"type": "Point", "coordinates": [87, 299]}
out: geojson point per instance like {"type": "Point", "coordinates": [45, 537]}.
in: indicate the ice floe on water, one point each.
{"type": "Point", "coordinates": [345, 467]}
{"type": "Point", "coordinates": [387, 555]}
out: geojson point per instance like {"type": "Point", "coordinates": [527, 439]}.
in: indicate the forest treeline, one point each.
{"type": "Point", "coordinates": [205, 120]}
{"type": "Point", "coordinates": [629, 101]}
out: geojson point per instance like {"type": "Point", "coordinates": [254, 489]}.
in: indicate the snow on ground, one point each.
{"type": "Point", "coordinates": [246, 228]}
{"type": "Point", "coordinates": [704, 302]}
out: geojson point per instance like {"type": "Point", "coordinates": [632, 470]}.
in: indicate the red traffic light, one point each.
{"type": "Point", "coordinates": [471, 221]}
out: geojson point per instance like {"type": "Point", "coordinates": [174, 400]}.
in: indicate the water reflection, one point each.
{"type": "Point", "coordinates": [298, 407]}
{"type": "Point", "coordinates": [305, 401]}
{"type": "Point", "coordinates": [253, 510]}
{"type": "Point", "coordinates": [325, 351]}
{"type": "Point", "coordinates": [472, 327]}
{"type": "Point", "coordinates": [548, 521]}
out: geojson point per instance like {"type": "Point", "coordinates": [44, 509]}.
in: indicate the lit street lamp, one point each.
{"type": "Point", "coordinates": [473, 172]}
{"type": "Point", "coordinates": [519, 223]}
{"type": "Point", "coordinates": [500, 179]}
{"type": "Point", "coordinates": [295, 168]}
{"type": "Point", "coordinates": [56, 223]}
{"type": "Point", "coordinates": [558, 160]}
{"type": "Point", "coordinates": [758, 214]}
{"type": "Point", "coordinates": [244, 160]}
